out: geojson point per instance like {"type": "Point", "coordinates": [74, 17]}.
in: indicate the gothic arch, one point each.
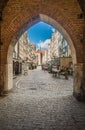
{"type": "Point", "coordinates": [50, 21]}
{"type": "Point", "coordinates": [19, 15]}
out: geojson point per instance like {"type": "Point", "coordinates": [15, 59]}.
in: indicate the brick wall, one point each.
{"type": "Point", "coordinates": [17, 13]}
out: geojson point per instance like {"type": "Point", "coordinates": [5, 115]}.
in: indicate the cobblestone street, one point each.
{"type": "Point", "coordinates": [41, 102]}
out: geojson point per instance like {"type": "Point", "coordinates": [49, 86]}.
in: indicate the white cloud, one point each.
{"type": "Point", "coordinates": [44, 44]}
{"type": "Point", "coordinates": [53, 29]}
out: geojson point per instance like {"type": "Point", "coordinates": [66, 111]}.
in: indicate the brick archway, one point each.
{"type": "Point", "coordinates": [50, 21]}
{"type": "Point", "coordinates": [18, 16]}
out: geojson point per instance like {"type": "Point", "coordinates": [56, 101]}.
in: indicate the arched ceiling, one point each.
{"type": "Point", "coordinates": [4, 2]}
{"type": "Point", "coordinates": [2, 5]}
{"type": "Point", "coordinates": [15, 19]}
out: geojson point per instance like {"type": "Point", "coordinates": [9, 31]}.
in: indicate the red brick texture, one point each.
{"type": "Point", "coordinates": [18, 12]}
{"type": "Point", "coordinates": [16, 16]}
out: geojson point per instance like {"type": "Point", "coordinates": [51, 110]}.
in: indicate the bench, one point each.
{"type": "Point", "coordinates": [58, 72]}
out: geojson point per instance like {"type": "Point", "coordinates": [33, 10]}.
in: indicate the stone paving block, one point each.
{"type": "Point", "coordinates": [41, 103]}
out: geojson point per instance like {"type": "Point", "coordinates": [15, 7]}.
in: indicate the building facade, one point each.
{"type": "Point", "coordinates": [64, 49]}
{"type": "Point", "coordinates": [58, 50]}
{"type": "Point", "coordinates": [54, 45]}
{"type": "Point", "coordinates": [41, 57]}
{"type": "Point", "coordinates": [24, 54]}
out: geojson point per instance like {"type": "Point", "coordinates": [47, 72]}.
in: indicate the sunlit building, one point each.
{"type": "Point", "coordinates": [24, 54]}
{"type": "Point", "coordinates": [41, 56]}
{"type": "Point", "coordinates": [32, 58]}
{"type": "Point", "coordinates": [64, 49]}
{"type": "Point", "coordinates": [59, 50]}
{"type": "Point", "coordinates": [54, 46]}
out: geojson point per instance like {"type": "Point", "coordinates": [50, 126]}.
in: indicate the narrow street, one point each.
{"type": "Point", "coordinates": [41, 102]}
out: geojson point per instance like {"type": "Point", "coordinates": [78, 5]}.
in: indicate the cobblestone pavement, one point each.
{"type": "Point", "coordinates": [41, 102]}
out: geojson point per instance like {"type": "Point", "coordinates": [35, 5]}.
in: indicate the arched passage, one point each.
{"type": "Point", "coordinates": [27, 14]}
{"type": "Point", "coordinates": [44, 18]}
{"type": "Point", "coordinates": [50, 21]}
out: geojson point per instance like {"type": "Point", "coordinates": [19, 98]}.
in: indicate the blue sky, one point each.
{"type": "Point", "coordinates": [40, 32]}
